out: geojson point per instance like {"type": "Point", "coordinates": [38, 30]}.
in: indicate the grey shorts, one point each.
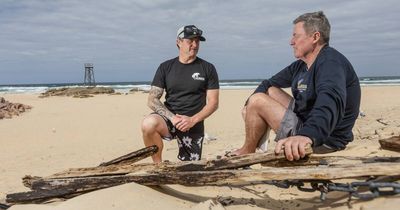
{"type": "Point", "coordinates": [289, 126]}
{"type": "Point", "coordinates": [189, 143]}
{"type": "Point", "coordinates": [290, 123]}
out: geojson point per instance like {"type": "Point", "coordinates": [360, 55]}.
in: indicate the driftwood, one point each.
{"type": "Point", "coordinates": [392, 143]}
{"type": "Point", "coordinates": [118, 171]}
{"type": "Point", "coordinates": [226, 171]}
{"type": "Point", "coordinates": [202, 165]}
{"type": "Point", "coordinates": [329, 161]}
{"type": "Point", "coordinates": [132, 157]}
{"type": "Point", "coordinates": [227, 177]}
{"type": "Point", "coordinates": [46, 188]}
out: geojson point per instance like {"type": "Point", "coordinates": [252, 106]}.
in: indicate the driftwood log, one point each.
{"type": "Point", "coordinates": [202, 165]}
{"type": "Point", "coordinates": [119, 171]}
{"type": "Point", "coordinates": [132, 157]}
{"type": "Point", "coordinates": [226, 171]}
{"type": "Point", "coordinates": [392, 143]}
{"type": "Point", "coordinates": [45, 188]}
{"type": "Point", "coordinates": [330, 161]}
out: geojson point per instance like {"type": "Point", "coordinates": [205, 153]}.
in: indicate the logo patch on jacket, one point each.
{"type": "Point", "coordinates": [196, 76]}
{"type": "Point", "coordinates": [300, 86]}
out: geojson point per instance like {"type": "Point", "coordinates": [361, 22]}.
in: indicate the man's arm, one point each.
{"type": "Point", "coordinates": [154, 103]}
{"type": "Point", "coordinates": [208, 109]}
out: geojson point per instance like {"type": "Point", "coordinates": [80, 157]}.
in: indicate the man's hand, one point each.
{"type": "Point", "coordinates": [294, 147]}
{"type": "Point", "coordinates": [185, 123]}
{"type": "Point", "coordinates": [175, 120]}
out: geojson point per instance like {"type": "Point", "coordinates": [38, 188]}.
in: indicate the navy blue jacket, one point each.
{"type": "Point", "coordinates": [327, 97]}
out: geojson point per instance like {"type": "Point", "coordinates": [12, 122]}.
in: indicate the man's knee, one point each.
{"type": "Point", "coordinates": [150, 124]}
{"type": "Point", "coordinates": [257, 100]}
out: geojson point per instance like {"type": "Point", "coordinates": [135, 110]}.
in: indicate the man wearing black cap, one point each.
{"type": "Point", "coordinates": [192, 90]}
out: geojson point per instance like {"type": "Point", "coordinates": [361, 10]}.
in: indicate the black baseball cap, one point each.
{"type": "Point", "coordinates": [190, 31]}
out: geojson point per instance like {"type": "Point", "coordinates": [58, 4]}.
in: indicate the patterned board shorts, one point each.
{"type": "Point", "coordinates": [190, 144]}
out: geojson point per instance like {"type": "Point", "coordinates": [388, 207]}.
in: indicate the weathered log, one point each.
{"type": "Point", "coordinates": [202, 165]}
{"type": "Point", "coordinates": [329, 161]}
{"type": "Point", "coordinates": [234, 162]}
{"type": "Point", "coordinates": [39, 196]}
{"type": "Point", "coordinates": [196, 178]}
{"type": "Point", "coordinates": [224, 177]}
{"type": "Point", "coordinates": [109, 170]}
{"type": "Point", "coordinates": [213, 172]}
{"type": "Point", "coordinates": [392, 143]}
{"type": "Point", "coordinates": [133, 156]}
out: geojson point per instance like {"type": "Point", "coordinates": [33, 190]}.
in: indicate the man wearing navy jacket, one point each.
{"type": "Point", "coordinates": [326, 96]}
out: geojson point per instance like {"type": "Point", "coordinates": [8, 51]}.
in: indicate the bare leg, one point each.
{"type": "Point", "coordinates": [153, 128]}
{"type": "Point", "coordinates": [263, 111]}
{"type": "Point", "coordinates": [280, 96]}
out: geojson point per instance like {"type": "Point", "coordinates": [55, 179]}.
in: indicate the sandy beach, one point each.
{"type": "Point", "coordinates": [64, 132]}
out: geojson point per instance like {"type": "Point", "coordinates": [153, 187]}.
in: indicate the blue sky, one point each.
{"type": "Point", "coordinates": [48, 41]}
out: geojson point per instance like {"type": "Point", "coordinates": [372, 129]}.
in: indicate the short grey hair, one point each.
{"type": "Point", "coordinates": [316, 22]}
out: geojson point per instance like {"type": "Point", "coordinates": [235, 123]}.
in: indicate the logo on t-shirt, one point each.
{"type": "Point", "coordinates": [196, 76]}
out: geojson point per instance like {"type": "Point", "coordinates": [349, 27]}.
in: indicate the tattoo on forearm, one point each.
{"type": "Point", "coordinates": [156, 105]}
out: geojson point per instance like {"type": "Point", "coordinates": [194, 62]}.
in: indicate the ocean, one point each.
{"type": "Point", "coordinates": [124, 87]}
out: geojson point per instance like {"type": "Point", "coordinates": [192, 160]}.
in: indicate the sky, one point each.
{"type": "Point", "coordinates": [48, 41]}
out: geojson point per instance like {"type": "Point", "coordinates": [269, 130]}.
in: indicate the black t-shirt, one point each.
{"type": "Point", "coordinates": [186, 85]}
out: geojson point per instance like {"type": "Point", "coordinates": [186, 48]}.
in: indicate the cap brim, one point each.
{"type": "Point", "coordinates": [201, 38]}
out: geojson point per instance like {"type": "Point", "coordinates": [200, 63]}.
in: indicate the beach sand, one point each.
{"type": "Point", "coordinates": [63, 132]}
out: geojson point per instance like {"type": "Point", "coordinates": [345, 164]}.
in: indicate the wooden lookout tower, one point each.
{"type": "Point", "coordinates": [89, 75]}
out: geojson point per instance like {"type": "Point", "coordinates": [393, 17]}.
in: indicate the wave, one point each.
{"type": "Point", "coordinates": [124, 87]}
